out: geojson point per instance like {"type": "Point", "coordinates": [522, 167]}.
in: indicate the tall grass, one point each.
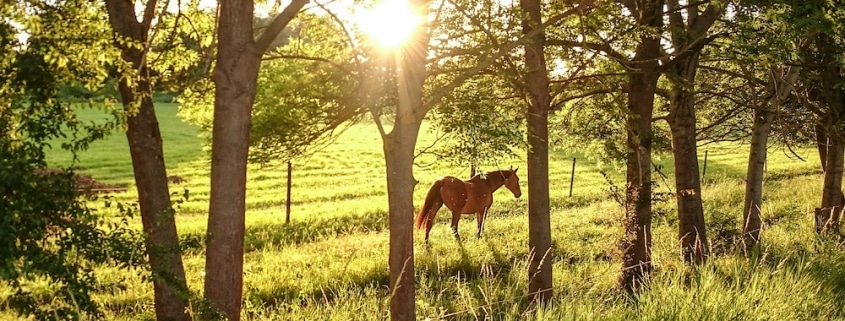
{"type": "Point", "coordinates": [331, 262]}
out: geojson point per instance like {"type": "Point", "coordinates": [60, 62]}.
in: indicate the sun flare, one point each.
{"type": "Point", "coordinates": [390, 23]}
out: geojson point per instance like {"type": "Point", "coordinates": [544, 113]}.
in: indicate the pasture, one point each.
{"type": "Point", "coordinates": [330, 263]}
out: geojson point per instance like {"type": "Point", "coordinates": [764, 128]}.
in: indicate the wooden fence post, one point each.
{"type": "Point", "coordinates": [287, 202]}
{"type": "Point", "coordinates": [572, 177]}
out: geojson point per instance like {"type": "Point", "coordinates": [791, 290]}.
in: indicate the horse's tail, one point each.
{"type": "Point", "coordinates": [433, 196]}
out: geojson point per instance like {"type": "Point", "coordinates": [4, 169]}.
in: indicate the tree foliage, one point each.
{"type": "Point", "coordinates": [479, 124]}
{"type": "Point", "coordinates": [308, 90]}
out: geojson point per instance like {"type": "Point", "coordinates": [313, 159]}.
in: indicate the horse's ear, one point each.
{"type": "Point", "coordinates": [515, 169]}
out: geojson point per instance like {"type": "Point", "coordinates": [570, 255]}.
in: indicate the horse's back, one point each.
{"type": "Point", "coordinates": [453, 183]}
{"type": "Point", "coordinates": [469, 196]}
{"type": "Point", "coordinates": [453, 192]}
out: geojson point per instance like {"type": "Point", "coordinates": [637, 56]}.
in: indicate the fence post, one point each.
{"type": "Point", "coordinates": [572, 177]}
{"type": "Point", "coordinates": [287, 202]}
{"type": "Point", "coordinates": [704, 171]}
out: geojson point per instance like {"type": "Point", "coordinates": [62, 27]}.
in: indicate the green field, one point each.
{"type": "Point", "coordinates": [330, 263]}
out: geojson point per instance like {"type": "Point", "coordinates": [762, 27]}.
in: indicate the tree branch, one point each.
{"type": "Point", "coordinates": [602, 47]}
{"type": "Point", "coordinates": [438, 95]}
{"type": "Point", "coordinates": [149, 14]}
{"type": "Point", "coordinates": [279, 23]}
{"type": "Point", "coordinates": [559, 104]}
{"type": "Point", "coordinates": [753, 80]}
{"type": "Point", "coordinates": [309, 58]}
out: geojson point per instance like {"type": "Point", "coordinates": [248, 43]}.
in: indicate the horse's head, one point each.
{"type": "Point", "coordinates": [512, 182]}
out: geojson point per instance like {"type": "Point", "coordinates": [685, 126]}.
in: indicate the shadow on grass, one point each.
{"type": "Point", "coordinates": [291, 297]}
{"type": "Point", "coordinates": [279, 234]}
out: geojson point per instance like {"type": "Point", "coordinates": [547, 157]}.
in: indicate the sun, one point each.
{"type": "Point", "coordinates": [389, 23]}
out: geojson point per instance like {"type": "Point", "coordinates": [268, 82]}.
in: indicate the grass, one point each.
{"type": "Point", "coordinates": [108, 160]}
{"type": "Point", "coordinates": [330, 263]}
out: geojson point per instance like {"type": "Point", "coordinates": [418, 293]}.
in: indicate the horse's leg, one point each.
{"type": "Point", "coordinates": [456, 217]}
{"type": "Point", "coordinates": [481, 217]}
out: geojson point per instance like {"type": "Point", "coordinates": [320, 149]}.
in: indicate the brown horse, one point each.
{"type": "Point", "coordinates": [465, 197]}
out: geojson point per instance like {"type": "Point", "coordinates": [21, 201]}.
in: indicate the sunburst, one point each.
{"type": "Point", "coordinates": [389, 23]}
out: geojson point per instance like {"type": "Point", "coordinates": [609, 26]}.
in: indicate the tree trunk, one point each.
{"type": "Point", "coordinates": [537, 117]}
{"type": "Point", "coordinates": [827, 216]}
{"type": "Point", "coordinates": [821, 144]}
{"type": "Point", "coordinates": [682, 124]}
{"type": "Point", "coordinates": [779, 89]}
{"type": "Point", "coordinates": [760, 129]}
{"type": "Point", "coordinates": [642, 84]}
{"type": "Point", "coordinates": [399, 147]}
{"type": "Point", "coordinates": [145, 147]}
{"type": "Point", "coordinates": [688, 27]}
{"type": "Point", "coordinates": [399, 159]}
{"type": "Point", "coordinates": [235, 78]}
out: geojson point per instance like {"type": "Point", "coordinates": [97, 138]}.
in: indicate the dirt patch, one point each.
{"type": "Point", "coordinates": [85, 183]}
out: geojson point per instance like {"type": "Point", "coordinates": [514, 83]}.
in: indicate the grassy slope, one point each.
{"type": "Point", "coordinates": [108, 159]}
{"type": "Point", "coordinates": [330, 264]}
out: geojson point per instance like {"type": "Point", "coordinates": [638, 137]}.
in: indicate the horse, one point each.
{"type": "Point", "coordinates": [473, 196]}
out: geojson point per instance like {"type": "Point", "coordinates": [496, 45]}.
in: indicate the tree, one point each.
{"type": "Point", "coordinates": [537, 116]}
{"type": "Point", "coordinates": [779, 88]}
{"type": "Point", "coordinates": [827, 55]}
{"type": "Point", "coordinates": [145, 146]}
{"type": "Point", "coordinates": [821, 25]}
{"type": "Point", "coordinates": [398, 145]}
{"type": "Point", "coordinates": [781, 74]}
{"type": "Point", "coordinates": [235, 77]}
{"type": "Point", "coordinates": [643, 73]}
{"type": "Point", "coordinates": [643, 22]}
{"type": "Point", "coordinates": [688, 27]}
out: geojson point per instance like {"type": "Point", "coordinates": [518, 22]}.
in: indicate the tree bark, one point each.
{"type": "Point", "coordinates": [760, 129]}
{"type": "Point", "coordinates": [682, 124]}
{"type": "Point", "coordinates": [537, 117]}
{"type": "Point", "coordinates": [764, 116]}
{"type": "Point", "coordinates": [643, 73]}
{"type": "Point", "coordinates": [821, 144]}
{"type": "Point", "coordinates": [145, 147]}
{"type": "Point", "coordinates": [827, 216]}
{"type": "Point", "coordinates": [235, 79]}
{"type": "Point", "coordinates": [399, 158]}
{"type": "Point", "coordinates": [399, 155]}
{"type": "Point", "coordinates": [688, 28]}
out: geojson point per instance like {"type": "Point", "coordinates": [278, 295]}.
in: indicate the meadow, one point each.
{"type": "Point", "coordinates": [330, 262]}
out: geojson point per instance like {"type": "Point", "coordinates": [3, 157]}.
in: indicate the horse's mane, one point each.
{"type": "Point", "coordinates": [497, 175]}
